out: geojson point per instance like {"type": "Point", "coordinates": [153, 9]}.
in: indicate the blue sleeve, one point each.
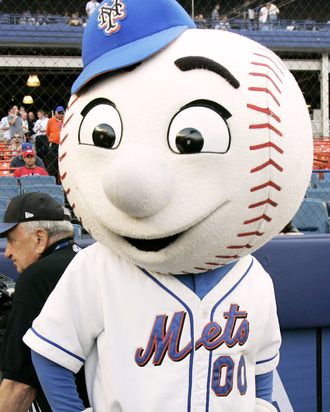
{"type": "Point", "coordinates": [264, 386]}
{"type": "Point", "coordinates": [58, 384]}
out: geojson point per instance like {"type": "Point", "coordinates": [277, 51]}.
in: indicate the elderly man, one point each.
{"type": "Point", "coordinates": [40, 243]}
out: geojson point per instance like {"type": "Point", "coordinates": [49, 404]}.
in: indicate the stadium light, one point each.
{"type": "Point", "coordinates": [33, 81]}
{"type": "Point", "coordinates": [28, 99]}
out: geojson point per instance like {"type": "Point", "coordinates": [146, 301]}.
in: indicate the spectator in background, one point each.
{"type": "Point", "coordinates": [31, 122]}
{"type": "Point", "coordinates": [16, 145]}
{"type": "Point", "coordinates": [25, 124]}
{"type": "Point", "coordinates": [5, 127]}
{"type": "Point", "coordinates": [75, 20]}
{"type": "Point", "coordinates": [91, 6]}
{"type": "Point", "coordinates": [39, 129]}
{"type": "Point", "coordinates": [54, 127]}
{"type": "Point", "coordinates": [30, 167]}
{"type": "Point", "coordinates": [215, 15]}
{"type": "Point", "coordinates": [268, 16]}
{"type": "Point", "coordinates": [224, 23]}
{"type": "Point", "coordinates": [18, 161]}
{"type": "Point", "coordinates": [15, 122]}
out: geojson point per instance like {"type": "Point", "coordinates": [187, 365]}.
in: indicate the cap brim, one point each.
{"type": "Point", "coordinates": [127, 55]}
{"type": "Point", "coordinates": [6, 227]}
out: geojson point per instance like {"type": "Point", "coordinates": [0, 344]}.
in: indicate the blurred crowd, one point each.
{"type": "Point", "coordinates": [262, 17]}
{"type": "Point", "coordinates": [40, 131]}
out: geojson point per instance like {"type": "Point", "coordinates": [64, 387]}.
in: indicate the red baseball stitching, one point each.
{"type": "Point", "coordinates": [267, 145]}
{"type": "Point", "coordinates": [255, 233]}
{"type": "Point", "coordinates": [64, 138]}
{"type": "Point", "coordinates": [263, 203]}
{"type": "Point", "coordinates": [63, 176]}
{"type": "Point", "coordinates": [67, 120]}
{"type": "Point", "coordinates": [228, 256]}
{"type": "Point", "coordinates": [247, 246]}
{"type": "Point", "coordinates": [274, 69]}
{"type": "Point", "coordinates": [273, 55]}
{"type": "Point", "coordinates": [265, 90]}
{"type": "Point", "coordinates": [266, 126]}
{"type": "Point", "coordinates": [269, 162]}
{"type": "Point", "coordinates": [74, 99]}
{"type": "Point", "coordinates": [270, 59]}
{"type": "Point", "coordinates": [267, 77]}
{"type": "Point", "coordinates": [269, 68]}
{"type": "Point", "coordinates": [265, 110]}
{"type": "Point", "coordinates": [62, 156]}
{"type": "Point", "coordinates": [256, 219]}
{"type": "Point", "coordinates": [264, 185]}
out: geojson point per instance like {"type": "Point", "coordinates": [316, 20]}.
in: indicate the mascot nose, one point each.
{"type": "Point", "coordinates": [139, 186]}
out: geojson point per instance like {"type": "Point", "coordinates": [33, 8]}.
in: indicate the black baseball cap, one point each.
{"type": "Point", "coordinates": [30, 207]}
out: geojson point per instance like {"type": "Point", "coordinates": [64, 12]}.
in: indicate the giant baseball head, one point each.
{"type": "Point", "coordinates": [182, 149]}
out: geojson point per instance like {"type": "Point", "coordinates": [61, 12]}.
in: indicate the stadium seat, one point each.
{"type": "Point", "coordinates": [323, 184]}
{"type": "Point", "coordinates": [4, 203]}
{"type": "Point", "coordinates": [37, 180]}
{"type": "Point", "coordinates": [56, 191]}
{"type": "Point", "coordinates": [9, 191]}
{"type": "Point", "coordinates": [318, 193]}
{"type": "Point", "coordinates": [8, 180]}
{"type": "Point", "coordinates": [312, 217]}
{"type": "Point", "coordinates": [314, 180]}
{"type": "Point", "coordinates": [51, 189]}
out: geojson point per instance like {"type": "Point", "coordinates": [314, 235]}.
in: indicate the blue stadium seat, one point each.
{"type": "Point", "coordinates": [323, 184]}
{"type": "Point", "coordinates": [312, 217]}
{"type": "Point", "coordinates": [314, 180]}
{"type": "Point", "coordinates": [318, 193]}
{"type": "Point", "coordinates": [37, 180]}
{"type": "Point", "coordinates": [9, 191]}
{"type": "Point", "coordinates": [56, 191]}
{"type": "Point", "coordinates": [51, 189]}
{"type": "Point", "coordinates": [4, 203]}
{"type": "Point", "coordinates": [8, 180]}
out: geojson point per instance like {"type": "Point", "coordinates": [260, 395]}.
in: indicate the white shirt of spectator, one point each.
{"type": "Point", "coordinates": [40, 126]}
{"type": "Point", "coordinates": [5, 127]}
{"type": "Point", "coordinates": [265, 12]}
{"type": "Point", "coordinates": [91, 6]}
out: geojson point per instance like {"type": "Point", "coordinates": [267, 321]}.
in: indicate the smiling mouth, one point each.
{"type": "Point", "coordinates": [152, 245]}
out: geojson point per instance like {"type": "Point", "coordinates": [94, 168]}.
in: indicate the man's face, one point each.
{"type": "Point", "coordinates": [59, 115]}
{"type": "Point", "coordinates": [40, 115]}
{"type": "Point", "coordinates": [30, 160]}
{"type": "Point", "coordinates": [21, 248]}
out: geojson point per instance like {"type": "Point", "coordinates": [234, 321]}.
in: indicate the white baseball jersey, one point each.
{"type": "Point", "coordinates": [150, 344]}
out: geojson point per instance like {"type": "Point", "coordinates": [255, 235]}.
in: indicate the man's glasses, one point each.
{"type": "Point", "coordinates": [60, 112]}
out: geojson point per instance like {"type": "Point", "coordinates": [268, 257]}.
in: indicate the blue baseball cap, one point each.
{"type": "Point", "coordinates": [59, 109]}
{"type": "Point", "coordinates": [121, 33]}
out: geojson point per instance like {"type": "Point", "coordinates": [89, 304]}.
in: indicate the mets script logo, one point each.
{"type": "Point", "coordinates": [109, 14]}
{"type": "Point", "coordinates": [164, 340]}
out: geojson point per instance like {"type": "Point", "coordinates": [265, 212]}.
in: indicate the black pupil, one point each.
{"type": "Point", "coordinates": [189, 140]}
{"type": "Point", "coordinates": [104, 136]}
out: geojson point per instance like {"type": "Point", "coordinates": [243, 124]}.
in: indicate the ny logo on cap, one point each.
{"type": "Point", "coordinates": [28, 215]}
{"type": "Point", "coordinates": [109, 16]}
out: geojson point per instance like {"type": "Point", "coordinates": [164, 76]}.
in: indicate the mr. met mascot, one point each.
{"type": "Point", "coordinates": [182, 152]}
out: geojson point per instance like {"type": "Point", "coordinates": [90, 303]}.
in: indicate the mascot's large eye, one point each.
{"type": "Point", "coordinates": [200, 127]}
{"type": "Point", "coordinates": [101, 125]}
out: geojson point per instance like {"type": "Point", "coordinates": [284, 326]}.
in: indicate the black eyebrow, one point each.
{"type": "Point", "coordinates": [199, 62]}
{"type": "Point", "coordinates": [96, 102]}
